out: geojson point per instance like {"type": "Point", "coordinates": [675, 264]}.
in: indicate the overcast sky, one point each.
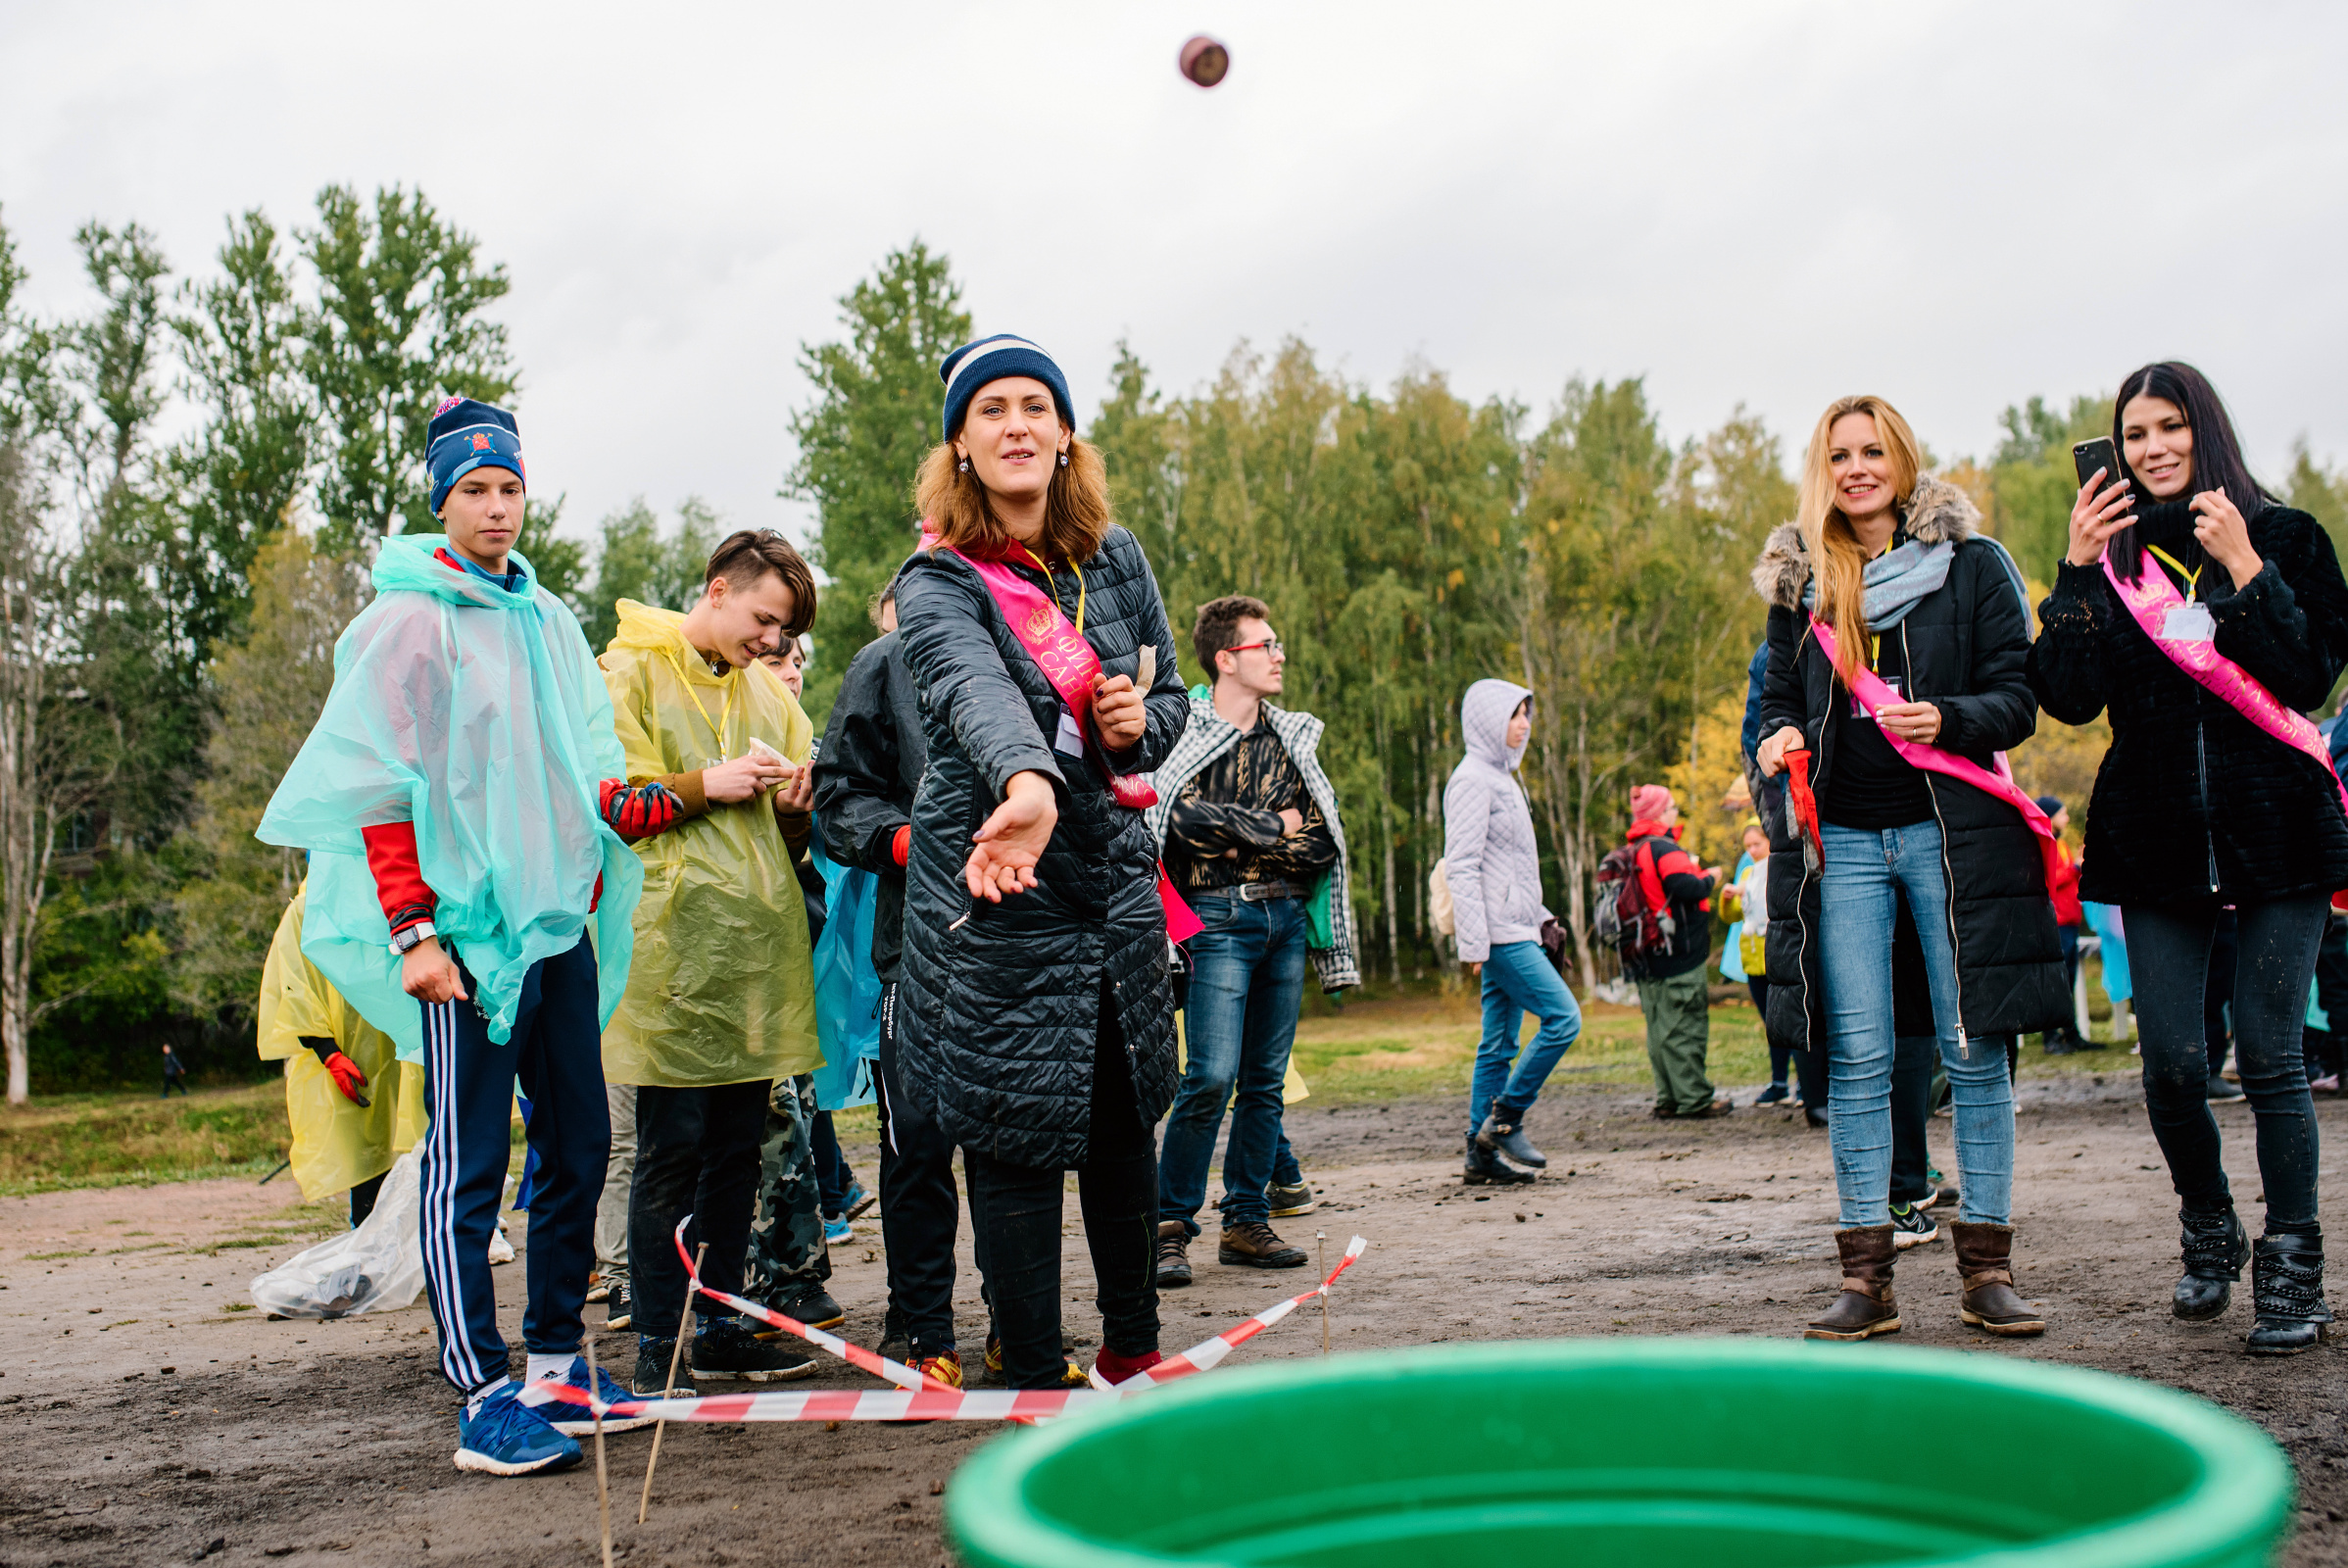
{"type": "Point", "coordinates": [1953, 205]}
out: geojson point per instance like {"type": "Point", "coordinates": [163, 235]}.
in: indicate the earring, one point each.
{"type": "Point", "coordinates": [1063, 460]}
{"type": "Point", "coordinates": [964, 466]}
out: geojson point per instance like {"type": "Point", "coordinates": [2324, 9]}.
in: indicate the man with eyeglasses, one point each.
{"type": "Point", "coordinates": [1248, 828]}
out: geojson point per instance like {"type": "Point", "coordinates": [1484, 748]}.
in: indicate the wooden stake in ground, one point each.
{"type": "Point", "coordinates": [674, 1356]}
{"type": "Point", "coordinates": [594, 1408]}
{"type": "Point", "coordinates": [1322, 1236]}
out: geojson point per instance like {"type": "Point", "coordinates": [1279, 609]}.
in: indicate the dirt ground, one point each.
{"type": "Point", "coordinates": [154, 1425]}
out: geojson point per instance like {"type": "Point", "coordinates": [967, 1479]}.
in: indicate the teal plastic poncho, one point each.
{"type": "Point", "coordinates": [848, 993]}
{"type": "Point", "coordinates": [480, 717]}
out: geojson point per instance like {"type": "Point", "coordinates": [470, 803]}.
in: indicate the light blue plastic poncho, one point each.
{"type": "Point", "coordinates": [480, 717]}
{"type": "Point", "coordinates": [848, 994]}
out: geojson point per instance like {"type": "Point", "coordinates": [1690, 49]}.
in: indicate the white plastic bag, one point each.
{"type": "Point", "coordinates": [377, 1267]}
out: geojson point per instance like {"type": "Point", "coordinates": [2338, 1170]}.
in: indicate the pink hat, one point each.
{"type": "Point", "coordinates": [1648, 803]}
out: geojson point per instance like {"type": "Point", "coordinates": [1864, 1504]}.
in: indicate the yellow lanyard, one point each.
{"type": "Point", "coordinates": [725, 710]}
{"type": "Point", "coordinates": [2192, 579]}
{"type": "Point", "coordinates": [1048, 577]}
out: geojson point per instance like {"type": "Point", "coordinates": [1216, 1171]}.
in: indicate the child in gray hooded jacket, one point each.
{"type": "Point", "coordinates": [1492, 864]}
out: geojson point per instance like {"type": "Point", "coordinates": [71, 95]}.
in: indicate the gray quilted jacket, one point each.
{"type": "Point", "coordinates": [1490, 855]}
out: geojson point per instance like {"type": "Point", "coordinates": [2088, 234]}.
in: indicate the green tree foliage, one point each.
{"type": "Point", "coordinates": [874, 414]}
{"type": "Point", "coordinates": [396, 327]}
{"type": "Point", "coordinates": [2034, 481]}
{"type": "Point", "coordinates": [241, 474]}
{"type": "Point", "coordinates": [269, 688]}
{"type": "Point", "coordinates": [635, 561]}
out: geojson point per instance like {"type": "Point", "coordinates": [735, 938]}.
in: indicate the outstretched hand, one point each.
{"type": "Point", "coordinates": [1008, 845]}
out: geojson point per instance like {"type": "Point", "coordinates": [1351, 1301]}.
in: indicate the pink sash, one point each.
{"type": "Point", "coordinates": [1872, 690]}
{"type": "Point", "coordinates": [2150, 600]}
{"type": "Point", "coordinates": [1070, 663]}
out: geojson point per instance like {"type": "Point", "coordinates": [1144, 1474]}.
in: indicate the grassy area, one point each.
{"type": "Point", "coordinates": [116, 1140]}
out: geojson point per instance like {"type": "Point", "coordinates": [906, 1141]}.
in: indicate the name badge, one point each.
{"type": "Point", "coordinates": [1897, 683]}
{"type": "Point", "coordinates": [2188, 624]}
{"type": "Point", "coordinates": [1069, 741]}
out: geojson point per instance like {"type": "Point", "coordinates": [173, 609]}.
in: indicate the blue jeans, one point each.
{"type": "Point", "coordinates": [1865, 873]}
{"type": "Point", "coordinates": [1246, 982]}
{"type": "Point", "coordinates": [1517, 980]}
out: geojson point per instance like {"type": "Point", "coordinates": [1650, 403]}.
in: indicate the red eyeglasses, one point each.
{"type": "Point", "coordinates": [1270, 646]}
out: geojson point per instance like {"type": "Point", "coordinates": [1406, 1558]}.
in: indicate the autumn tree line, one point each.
{"type": "Point", "coordinates": [196, 470]}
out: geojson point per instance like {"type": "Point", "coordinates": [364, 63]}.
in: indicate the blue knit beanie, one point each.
{"type": "Point", "coordinates": [467, 434]}
{"type": "Point", "coordinates": [991, 359]}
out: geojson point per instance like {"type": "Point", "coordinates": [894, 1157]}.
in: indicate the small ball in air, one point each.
{"type": "Point", "coordinates": [1204, 60]}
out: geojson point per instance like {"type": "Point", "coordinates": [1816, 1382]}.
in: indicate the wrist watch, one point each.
{"type": "Point", "coordinates": [414, 936]}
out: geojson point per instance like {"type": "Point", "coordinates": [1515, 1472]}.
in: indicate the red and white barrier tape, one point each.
{"type": "Point", "coordinates": [916, 1398]}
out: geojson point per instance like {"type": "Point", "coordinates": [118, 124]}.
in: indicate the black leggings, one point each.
{"type": "Point", "coordinates": [1015, 1224]}
{"type": "Point", "coordinates": [2167, 953]}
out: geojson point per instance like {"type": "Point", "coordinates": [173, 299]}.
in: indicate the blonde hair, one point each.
{"type": "Point", "coordinates": [1837, 559]}
{"type": "Point", "coordinates": [1076, 509]}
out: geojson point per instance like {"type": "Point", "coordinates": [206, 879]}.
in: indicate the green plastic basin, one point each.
{"type": "Point", "coordinates": [1633, 1453]}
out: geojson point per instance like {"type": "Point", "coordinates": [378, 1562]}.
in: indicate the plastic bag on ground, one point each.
{"type": "Point", "coordinates": [379, 1268]}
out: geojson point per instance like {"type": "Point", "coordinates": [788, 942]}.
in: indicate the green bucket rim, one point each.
{"type": "Point", "coordinates": [2246, 1478]}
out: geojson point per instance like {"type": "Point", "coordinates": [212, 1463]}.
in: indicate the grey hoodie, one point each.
{"type": "Point", "coordinates": [1490, 855]}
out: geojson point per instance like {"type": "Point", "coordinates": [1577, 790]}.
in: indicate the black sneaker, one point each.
{"type": "Point", "coordinates": [1251, 1244]}
{"type": "Point", "coordinates": [618, 1311]}
{"type": "Point", "coordinates": [1911, 1226]}
{"type": "Point", "coordinates": [1173, 1255]}
{"type": "Point", "coordinates": [726, 1349]}
{"type": "Point", "coordinates": [812, 1304]}
{"type": "Point", "coordinates": [651, 1381]}
{"type": "Point", "coordinates": [1774, 1094]}
{"type": "Point", "coordinates": [1289, 1201]}
{"type": "Point", "coordinates": [2220, 1091]}
{"type": "Point", "coordinates": [895, 1343]}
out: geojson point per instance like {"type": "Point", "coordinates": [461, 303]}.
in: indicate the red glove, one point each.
{"type": "Point", "coordinates": [342, 1069]}
{"type": "Point", "coordinates": [900, 843]}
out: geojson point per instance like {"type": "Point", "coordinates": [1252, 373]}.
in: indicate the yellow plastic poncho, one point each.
{"type": "Point", "coordinates": [337, 1143]}
{"type": "Point", "coordinates": [722, 990]}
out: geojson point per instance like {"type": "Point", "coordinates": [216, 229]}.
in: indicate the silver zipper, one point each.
{"type": "Point", "coordinates": [1948, 871]}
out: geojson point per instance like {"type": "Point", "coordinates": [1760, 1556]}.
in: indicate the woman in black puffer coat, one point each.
{"type": "Point", "coordinates": [1892, 560]}
{"type": "Point", "coordinates": [2197, 808]}
{"type": "Point", "coordinates": [1036, 1021]}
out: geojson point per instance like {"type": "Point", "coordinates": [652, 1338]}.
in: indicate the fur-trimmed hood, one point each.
{"type": "Point", "coordinates": [1939, 510]}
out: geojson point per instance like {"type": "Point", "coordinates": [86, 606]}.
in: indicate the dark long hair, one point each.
{"type": "Point", "coordinates": [2217, 453]}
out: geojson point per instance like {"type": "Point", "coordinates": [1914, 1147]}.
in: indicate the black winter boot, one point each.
{"type": "Point", "coordinates": [2214, 1249]}
{"type": "Point", "coordinates": [1507, 1138]}
{"type": "Point", "coordinates": [2286, 1288]}
{"type": "Point", "coordinates": [1484, 1167]}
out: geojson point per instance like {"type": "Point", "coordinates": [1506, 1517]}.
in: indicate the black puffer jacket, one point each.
{"type": "Point", "coordinates": [998, 1019]}
{"type": "Point", "coordinates": [1966, 644]}
{"type": "Point", "coordinates": [2192, 797]}
{"type": "Point", "coordinates": [865, 778]}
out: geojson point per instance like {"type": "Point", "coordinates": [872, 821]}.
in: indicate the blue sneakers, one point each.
{"type": "Point", "coordinates": [577, 1420]}
{"type": "Point", "coordinates": [507, 1438]}
{"type": "Point", "coordinates": [836, 1230]}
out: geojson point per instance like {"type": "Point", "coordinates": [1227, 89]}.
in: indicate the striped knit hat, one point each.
{"type": "Point", "coordinates": [991, 359]}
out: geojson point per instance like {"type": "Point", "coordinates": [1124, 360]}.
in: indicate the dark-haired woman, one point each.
{"type": "Point", "coordinates": [1898, 638]}
{"type": "Point", "coordinates": [2208, 619]}
{"type": "Point", "coordinates": [1036, 1021]}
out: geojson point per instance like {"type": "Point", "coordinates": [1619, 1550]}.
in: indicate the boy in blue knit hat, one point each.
{"type": "Point", "coordinates": [462, 800]}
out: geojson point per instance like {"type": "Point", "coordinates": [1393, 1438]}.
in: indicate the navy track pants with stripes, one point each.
{"type": "Point", "coordinates": [556, 1049]}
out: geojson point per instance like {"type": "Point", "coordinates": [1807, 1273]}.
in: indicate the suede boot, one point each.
{"type": "Point", "coordinates": [1866, 1306]}
{"type": "Point", "coordinates": [1986, 1264]}
{"type": "Point", "coordinates": [2213, 1248]}
{"type": "Point", "coordinates": [2286, 1288]}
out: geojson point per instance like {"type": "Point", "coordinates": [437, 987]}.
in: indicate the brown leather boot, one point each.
{"type": "Point", "coordinates": [1866, 1306]}
{"type": "Point", "coordinates": [1985, 1260]}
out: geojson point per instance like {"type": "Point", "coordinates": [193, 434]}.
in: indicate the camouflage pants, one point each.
{"type": "Point", "coordinates": [787, 1253]}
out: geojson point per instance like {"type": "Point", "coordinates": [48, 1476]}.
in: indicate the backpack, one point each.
{"type": "Point", "coordinates": [1625, 918]}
